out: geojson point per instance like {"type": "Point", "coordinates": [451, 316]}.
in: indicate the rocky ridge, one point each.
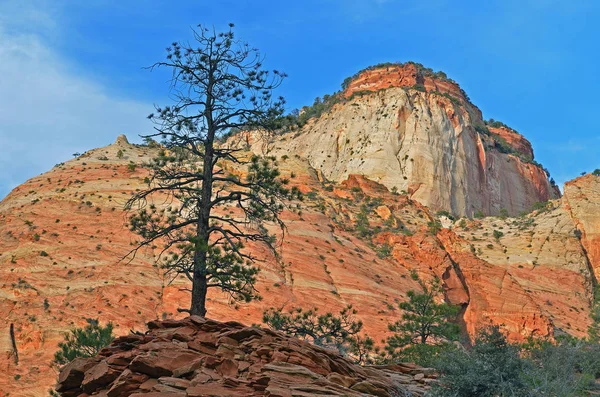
{"type": "Point", "coordinates": [202, 357]}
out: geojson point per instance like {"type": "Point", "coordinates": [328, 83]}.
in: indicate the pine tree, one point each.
{"type": "Point", "coordinates": [218, 85]}
{"type": "Point", "coordinates": [426, 326]}
{"type": "Point", "coordinates": [84, 342]}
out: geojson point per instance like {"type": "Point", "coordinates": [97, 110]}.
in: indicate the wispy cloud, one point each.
{"type": "Point", "coordinates": [47, 111]}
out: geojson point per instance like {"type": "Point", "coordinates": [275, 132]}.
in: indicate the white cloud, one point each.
{"type": "Point", "coordinates": [47, 112]}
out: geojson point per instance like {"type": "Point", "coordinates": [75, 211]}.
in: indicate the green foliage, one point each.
{"type": "Point", "coordinates": [445, 213]}
{"type": "Point", "coordinates": [196, 240]}
{"type": "Point", "coordinates": [479, 214]}
{"type": "Point", "coordinates": [491, 368]}
{"type": "Point", "coordinates": [419, 87]}
{"type": "Point", "coordinates": [503, 213]}
{"type": "Point", "coordinates": [84, 342]}
{"type": "Point", "coordinates": [482, 129]}
{"type": "Point", "coordinates": [494, 367]}
{"type": "Point", "coordinates": [434, 227]}
{"type": "Point", "coordinates": [498, 234]}
{"type": "Point", "coordinates": [596, 172]}
{"type": "Point", "coordinates": [151, 143]}
{"type": "Point", "coordinates": [384, 251]}
{"type": "Point", "coordinates": [594, 328]}
{"type": "Point", "coordinates": [425, 329]}
{"type": "Point", "coordinates": [131, 166]}
{"type": "Point", "coordinates": [498, 124]}
{"type": "Point", "coordinates": [340, 332]}
{"type": "Point", "coordinates": [565, 368]}
{"type": "Point", "coordinates": [362, 222]}
{"type": "Point", "coordinates": [120, 154]}
{"type": "Point", "coordinates": [463, 223]}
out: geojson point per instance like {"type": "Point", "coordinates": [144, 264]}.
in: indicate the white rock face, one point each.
{"type": "Point", "coordinates": [421, 143]}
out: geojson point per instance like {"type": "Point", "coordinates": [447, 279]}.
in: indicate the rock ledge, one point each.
{"type": "Point", "coordinates": [202, 357]}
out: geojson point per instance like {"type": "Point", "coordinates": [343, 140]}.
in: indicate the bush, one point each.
{"type": "Point", "coordinates": [479, 214]}
{"type": "Point", "coordinates": [567, 368]}
{"type": "Point", "coordinates": [596, 172]}
{"type": "Point", "coordinates": [84, 342]}
{"type": "Point", "coordinates": [434, 227]}
{"type": "Point", "coordinates": [384, 251]}
{"type": "Point", "coordinates": [498, 234]}
{"type": "Point", "coordinates": [445, 213]}
{"type": "Point", "coordinates": [492, 368]}
{"type": "Point", "coordinates": [340, 332]}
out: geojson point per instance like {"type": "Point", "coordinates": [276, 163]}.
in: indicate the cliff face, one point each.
{"type": "Point", "coordinates": [582, 200]}
{"type": "Point", "coordinates": [423, 141]}
{"type": "Point", "coordinates": [63, 235]}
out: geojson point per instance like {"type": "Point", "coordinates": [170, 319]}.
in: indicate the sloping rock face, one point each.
{"type": "Point", "coordinates": [63, 236]}
{"type": "Point", "coordinates": [582, 200]}
{"type": "Point", "coordinates": [201, 357]}
{"type": "Point", "coordinates": [424, 141]}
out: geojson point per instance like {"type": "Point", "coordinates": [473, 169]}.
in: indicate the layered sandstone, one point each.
{"type": "Point", "coordinates": [429, 142]}
{"type": "Point", "coordinates": [200, 357]}
{"type": "Point", "coordinates": [63, 236]}
{"type": "Point", "coordinates": [582, 201]}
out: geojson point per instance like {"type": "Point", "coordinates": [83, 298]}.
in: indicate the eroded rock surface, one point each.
{"type": "Point", "coordinates": [201, 357]}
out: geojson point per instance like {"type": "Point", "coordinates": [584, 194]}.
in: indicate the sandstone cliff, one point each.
{"type": "Point", "coordinates": [63, 235]}
{"type": "Point", "coordinates": [417, 132]}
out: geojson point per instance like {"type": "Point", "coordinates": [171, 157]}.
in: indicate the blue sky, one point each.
{"type": "Point", "coordinates": [72, 77]}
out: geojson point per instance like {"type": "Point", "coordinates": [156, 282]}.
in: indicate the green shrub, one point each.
{"type": "Point", "coordinates": [384, 251]}
{"type": "Point", "coordinates": [498, 234]}
{"type": "Point", "coordinates": [479, 214]}
{"type": "Point", "coordinates": [596, 172]}
{"type": "Point", "coordinates": [434, 227]}
{"type": "Point", "coordinates": [84, 342]}
{"type": "Point", "coordinates": [340, 332]}
{"type": "Point", "coordinates": [492, 368]}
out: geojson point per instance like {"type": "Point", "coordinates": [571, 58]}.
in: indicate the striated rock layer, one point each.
{"type": "Point", "coordinates": [200, 357]}
{"type": "Point", "coordinates": [63, 236]}
{"type": "Point", "coordinates": [424, 141]}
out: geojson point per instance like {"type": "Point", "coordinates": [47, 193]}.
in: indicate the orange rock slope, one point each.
{"type": "Point", "coordinates": [63, 237]}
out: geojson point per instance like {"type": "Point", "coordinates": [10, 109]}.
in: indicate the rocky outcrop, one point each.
{"type": "Point", "coordinates": [430, 143]}
{"type": "Point", "coordinates": [408, 75]}
{"type": "Point", "coordinates": [201, 357]}
{"type": "Point", "coordinates": [516, 141]}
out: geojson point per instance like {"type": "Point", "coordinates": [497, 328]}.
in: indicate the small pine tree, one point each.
{"type": "Point", "coordinates": [120, 154]}
{"type": "Point", "coordinates": [84, 342]}
{"type": "Point", "coordinates": [425, 328]}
